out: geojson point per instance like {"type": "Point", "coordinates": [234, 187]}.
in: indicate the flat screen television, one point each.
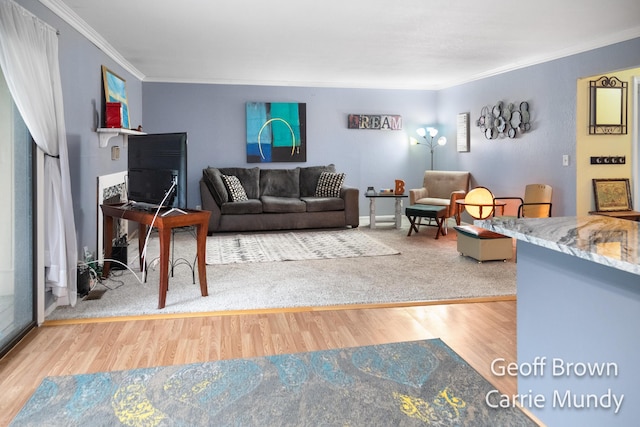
{"type": "Point", "coordinates": [155, 162]}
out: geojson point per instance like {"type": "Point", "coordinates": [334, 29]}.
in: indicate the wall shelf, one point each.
{"type": "Point", "coordinates": [105, 134]}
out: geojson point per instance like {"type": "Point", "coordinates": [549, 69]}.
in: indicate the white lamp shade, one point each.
{"type": "Point", "coordinates": [442, 140]}
{"type": "Point", "coordinates": [421, 131]}
{"type": "Point", "coordinates": [479, 203]}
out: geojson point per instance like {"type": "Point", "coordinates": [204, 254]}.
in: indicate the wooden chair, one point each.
{"type": "Point", "coordinates": [536, 202]}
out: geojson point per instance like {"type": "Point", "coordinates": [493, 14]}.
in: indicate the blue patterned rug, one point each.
{"type": "Point", "coordinates": [403, 384]}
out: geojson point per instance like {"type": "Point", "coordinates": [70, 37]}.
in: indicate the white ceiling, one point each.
{"type": "Point", "coordinates": [393, 44]}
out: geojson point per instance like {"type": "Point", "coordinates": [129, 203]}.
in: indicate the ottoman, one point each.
{"type": "Point", "coordinates": [437, 213]}
{"type": "Point", "coordinates": [482, 244]}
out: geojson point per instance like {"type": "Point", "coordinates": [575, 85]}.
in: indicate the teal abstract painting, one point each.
{"type": "Point", "coordinates": [276, 132]}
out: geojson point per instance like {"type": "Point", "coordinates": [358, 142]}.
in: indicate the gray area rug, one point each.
{"type": "Point", "coordinates": [293, 246]}
{"type": "Point", "coordinates": [400, 384]}
{"type": "Point", "coordinates": [425, 270]}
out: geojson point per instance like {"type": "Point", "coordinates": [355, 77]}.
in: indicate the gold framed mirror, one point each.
{"type": "Point", "coordinates": [608, 106]}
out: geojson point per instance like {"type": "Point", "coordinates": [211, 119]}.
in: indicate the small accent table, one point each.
{"type": "Point", "coordinates": [164, 224]}
{"type": "Point", "coordinates": [372, 207]}
{"type": "Point", "coordinates": [460, 204]}
{"type": "Point", "coordinates": [437, 213]}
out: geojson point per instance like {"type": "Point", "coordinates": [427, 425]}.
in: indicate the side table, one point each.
{"type": "Point", "coordinates": [630, 215]}
{"type": "Point", "coordinates": [398, 207]}
{"type": "Point", "coordinates": [489, 209]}
{"type": "Point", "coordinates": [164, 224]}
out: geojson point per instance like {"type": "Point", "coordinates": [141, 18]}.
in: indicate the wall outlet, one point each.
{"type": "Point", "coordinates": [565, 160]}
{"type": "Point", "coordinates": [198, 207]}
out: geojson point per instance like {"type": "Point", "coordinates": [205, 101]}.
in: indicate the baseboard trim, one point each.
{"type": "Point", "coordinates": [279, 310]}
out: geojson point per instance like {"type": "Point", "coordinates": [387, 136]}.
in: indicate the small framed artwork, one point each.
{"type": "Point", "coordinates": [612, 194]}
{"type": "Point", "coordinates": [115, 91]}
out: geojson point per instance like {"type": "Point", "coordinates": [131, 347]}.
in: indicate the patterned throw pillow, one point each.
{"type": "Point", "coordinates": [329, 184]}
{"type": "Point", "coordinates": [235, 188]}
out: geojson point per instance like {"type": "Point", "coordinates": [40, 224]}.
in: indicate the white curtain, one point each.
{"type": "Point", "coordinates": [29, 61]}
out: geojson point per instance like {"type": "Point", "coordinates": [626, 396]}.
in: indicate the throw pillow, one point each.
{"type": "Point", "coordinates": [235, 188]}
{"type": "Point", "coordinates": [329, 184]}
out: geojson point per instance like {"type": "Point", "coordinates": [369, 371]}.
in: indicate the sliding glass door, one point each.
{"type": "Point", "coordinates": [17, 308]}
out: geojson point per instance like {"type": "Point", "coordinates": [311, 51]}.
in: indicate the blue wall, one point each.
{"type": "Point", "coordinates": [214, 117]}
{"type": "Point", "coordinates": [507, 165]}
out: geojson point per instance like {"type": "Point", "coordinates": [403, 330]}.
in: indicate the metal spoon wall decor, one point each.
{"type": "Point", "coordinates": [502, 121]}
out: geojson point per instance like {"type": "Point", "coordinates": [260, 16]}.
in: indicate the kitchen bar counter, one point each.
{"type": "Point", "coordinates": [578, 310]}
{"type": "Point", "coordinates": [608, 241]}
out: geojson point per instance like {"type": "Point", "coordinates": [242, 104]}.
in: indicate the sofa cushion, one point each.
{"type": "Point", "coordinates": [323, 204]}
{"type": "Point", "coordinates": [280, 182]}
{"type": "Point", "coordinates": [234, 188]}
{"type": "Point", "coordinates": [309, 177]}
{"type": "Point", "coordinates": [213, 179]}
{"type": "Point", "coordinates": [249, 177]}
{"type": "Point", "coordinates": [251, 206]}
{"type": "Point", "coordinates": [329, 184]}
{"type": "Point", "coordinates": [282, 204]}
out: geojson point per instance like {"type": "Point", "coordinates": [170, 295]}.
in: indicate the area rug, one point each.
{"type": "Point", "coordinates": [402, 384]}
{"type": "Point", "coordinates": [425, 270]}
{"type": "Point", "coordinates": [291, 246]}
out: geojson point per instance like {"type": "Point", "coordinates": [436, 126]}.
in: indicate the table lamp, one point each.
{"type": "Point", "coordinates": [479, 203]}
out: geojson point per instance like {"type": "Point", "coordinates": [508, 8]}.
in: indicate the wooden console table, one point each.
{"type": "Point", "coordinates": [631, 215]}
{"type": "Point", "coordinates": [164, 224]}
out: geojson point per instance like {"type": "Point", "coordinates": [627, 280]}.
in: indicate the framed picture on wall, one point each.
{"type": "Point", "coordinates": [115, 91]}
{"type": "Point", "coordinates": [462, 127]}
{"type": "Point", "coordinates": [276, 132]}
{"type": "Point", "coordinates": [612, 194]}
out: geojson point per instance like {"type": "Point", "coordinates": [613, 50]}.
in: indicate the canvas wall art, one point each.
{"type": "Point", "coordinates": [276, 132]}
{"type": "Point", "coordinates": [115, 91]}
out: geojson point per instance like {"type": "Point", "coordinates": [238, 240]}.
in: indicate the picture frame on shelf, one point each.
{"type": "Point", "coordinates": [612, 194]}
{"type": "Point", "coordinates": [115, 90]}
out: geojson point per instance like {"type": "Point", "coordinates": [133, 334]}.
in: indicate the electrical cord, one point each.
{"type": "Point", "coordinates": [92, 264]}
{"type": "Point", "coordinates": [153, 221]}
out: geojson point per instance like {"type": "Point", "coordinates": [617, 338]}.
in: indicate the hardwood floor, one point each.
{"type": "Point", "coordinates": [479, 332]}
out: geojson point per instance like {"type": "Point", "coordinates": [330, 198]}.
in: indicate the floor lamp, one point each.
{"type": "Point", "coordinates": [429, 134]}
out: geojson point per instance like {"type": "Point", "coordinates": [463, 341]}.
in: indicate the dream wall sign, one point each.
{"type": "Point", "coordinates": [375, 121]}
{"type": "Point", "coordinates": [276, 132]}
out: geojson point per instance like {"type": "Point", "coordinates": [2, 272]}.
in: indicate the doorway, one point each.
{"type": "Point", "coordinates": [17, 284]}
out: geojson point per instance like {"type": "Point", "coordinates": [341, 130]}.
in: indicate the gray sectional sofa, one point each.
{"type": "Point", "coordinates": [255, 199]}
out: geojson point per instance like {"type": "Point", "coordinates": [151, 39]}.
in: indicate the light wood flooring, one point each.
{"type": "Point", "coordinates": [479, 332]}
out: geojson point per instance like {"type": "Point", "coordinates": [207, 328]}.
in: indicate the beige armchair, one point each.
{"type": "Point", "coordinates": [442, 188]}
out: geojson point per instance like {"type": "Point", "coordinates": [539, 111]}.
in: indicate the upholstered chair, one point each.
{"type": "Point", "coordinates": [442, 188]}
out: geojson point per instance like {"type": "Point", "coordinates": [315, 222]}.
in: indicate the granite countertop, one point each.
{"type": "Point", "coordinates": [609, 241]}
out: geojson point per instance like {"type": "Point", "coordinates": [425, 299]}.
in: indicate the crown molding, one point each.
{"type": "Point", "coordinates": [59, 8]}
{"type": "Point", "coordinates": [77, 23]}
